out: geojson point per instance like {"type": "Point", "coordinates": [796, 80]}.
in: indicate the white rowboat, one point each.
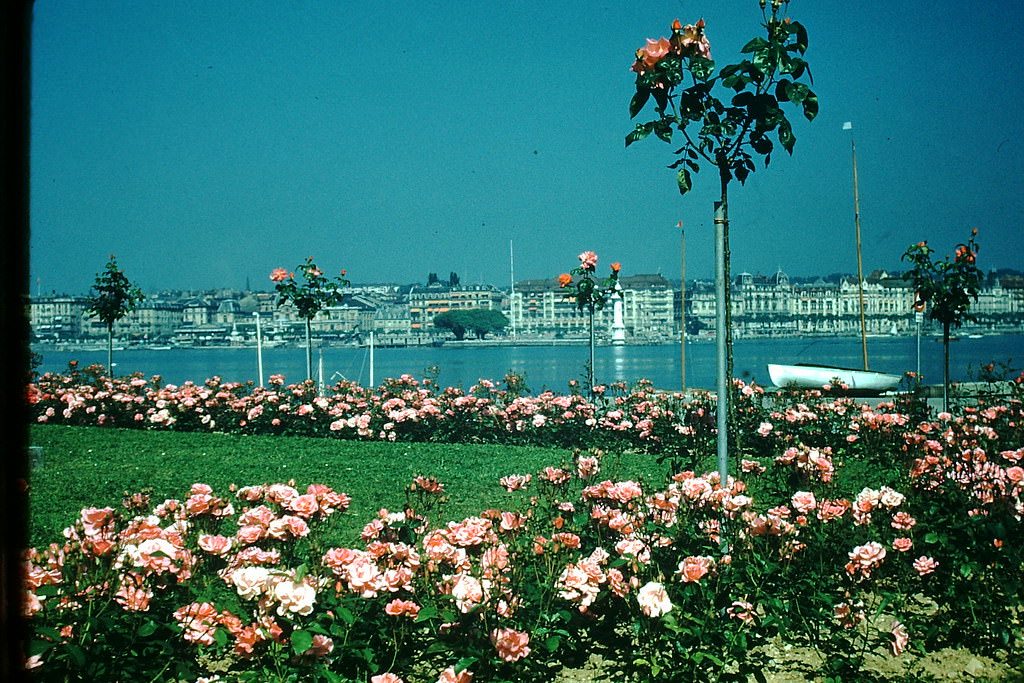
{"type": "Point", "coordinates": [817, 376]}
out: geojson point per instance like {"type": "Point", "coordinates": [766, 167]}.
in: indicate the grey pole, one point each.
{"type": "Point", "coordinates": [720, 344]}
{"type": "Point", "coordinates": [259, 346]}
{"type": "Point", "coordinates": [372, 384]}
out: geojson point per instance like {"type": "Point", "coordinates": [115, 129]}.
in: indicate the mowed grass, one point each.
{"type": "Point", "coordinates": [95, 466]}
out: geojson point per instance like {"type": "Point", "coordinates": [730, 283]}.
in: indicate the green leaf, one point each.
{"type": "Point", "coordinates": [931, 537]}
{"type": "Point", "coordinates": [221, 636]}
{"type": "Point", "coordinates": [638, 102]}
{"type": "Point", "coordinates": [684, 181]}
{"type": "Point", "coordinates": [345, 615]}
{"type": "Point", "coordinates": [966, 570]}
{"type": "Point", "coordinates": [426, 613]}
{"type": "Point", "coordinates": [77, 654]}
{"type": "Point", "coordinates": [797, 92]}
{"type": "Point", "coordinates": [147, 628]}
{"type": "Point", "coordinates": [810, 106]}
{"type": "Point", "coordinates": [641, 131]}
{"type": "Point", "coordinates": [786, 137]}
{"type": "Point", "coordinates": [701, 68]}
{"type": "Point", "coordinates": [301, 641]}
{"type": "Point", "coordinates": [663, 131]}
{"type": "Point", "coordinates": [755, 45]}
{"type": "Point", "coordinates": [464, 664]}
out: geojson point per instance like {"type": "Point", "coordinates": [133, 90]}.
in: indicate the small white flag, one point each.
{"type": "Point", "coordinates": [847, 126]}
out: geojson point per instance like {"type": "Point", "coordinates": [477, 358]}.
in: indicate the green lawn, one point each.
{"type": "Point", "coordinates": [95, 466]}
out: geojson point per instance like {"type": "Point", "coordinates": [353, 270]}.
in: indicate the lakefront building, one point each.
{"type": "Point", "coordinates": [652, 310]}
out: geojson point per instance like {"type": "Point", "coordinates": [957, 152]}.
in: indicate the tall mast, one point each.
{"type": "Point", "coordinates": [512, 289]}
{"type": "Point", "coordinates": [860, 263]}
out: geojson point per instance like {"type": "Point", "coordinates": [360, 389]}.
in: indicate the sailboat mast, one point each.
{"type": "Point", "coordinates": [512, 288]}
{"type": "Point", "coordinates": [860, 263]}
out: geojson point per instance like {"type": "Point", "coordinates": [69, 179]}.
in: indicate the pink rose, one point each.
{"type": "Point", "coordinates": [804, 501]}
{"type": "Point", "coordinates": [925, 565]}
{"type": "Point", "coordinates": [588, 259]}
{"type": "Point", "coordinates": [900, 638]}
{"type": "Point", "coordinates": [511, 645]}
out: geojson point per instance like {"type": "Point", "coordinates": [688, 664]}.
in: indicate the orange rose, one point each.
{"type": "Point", "coordinates": [564, 280]}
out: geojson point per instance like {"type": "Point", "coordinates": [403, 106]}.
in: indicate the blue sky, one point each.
{"type": "Point", "coordinates": [205, 143]}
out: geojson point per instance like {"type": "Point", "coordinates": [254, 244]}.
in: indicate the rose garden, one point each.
{"type": "Point", "coordinates": [867, 534]}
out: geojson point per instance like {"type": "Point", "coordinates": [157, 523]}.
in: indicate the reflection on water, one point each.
{"type": "Point", "coordinates": [552, 367]}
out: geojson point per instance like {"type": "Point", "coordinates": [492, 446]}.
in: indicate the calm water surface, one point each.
{"type": "Point", "coordinates": [552, 367]}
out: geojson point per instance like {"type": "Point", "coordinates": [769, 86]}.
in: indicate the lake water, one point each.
{"type": "Point", "coordinates": [552, 367]}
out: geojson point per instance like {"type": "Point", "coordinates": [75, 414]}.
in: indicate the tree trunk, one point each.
{"type": "Point", "coordinates": [945, 367]}
{"type": "Point", "coordinates": [110, 349]}
{"type": "Point", "coordinates": [590, 368]}
{"type": "Point", "coordinates": [309, 352]}
{"type": "Point", "coordinates": [722, 334]}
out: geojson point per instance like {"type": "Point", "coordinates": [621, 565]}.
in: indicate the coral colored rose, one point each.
{"type": "Point", "coordinates": [215, 545]}
{"type": "Point", "coordinates": [653, 599]}
{"type": "Point", "coordinates": [564, 280]}
{"type": "Point", "coordinates": [616, 267]}
{"type": "Point", "coordinates": [278, 274]}
{"type": "Point", "coordinates": [693, 569]}
{"type": "Point", "coordinates": [512, 645]}
{"type": "Point", "coordinates": [1015, 474]}
{"type": "Point", "coordinates": [94, 520]}
{"type": "Point", "coordinates": [653, 51]}
{"type": "Point", "coordinates": [902, 544]}
{"type": "Point", "coordinates": [449, 676]}
{"type": "Point", "coordinates": [385, 678]}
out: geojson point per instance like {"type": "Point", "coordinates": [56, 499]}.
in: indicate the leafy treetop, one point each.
{"type": "Point", "coordinates": [587, 293]}
{"type": "Point", "coordinates": [731, 130]}
{"type": "Point", "coordinates": [115, 296]}
{"type": "Point", "coordinates": [312, 294]}
{"type": "Point", "coordinates": [948, 285]}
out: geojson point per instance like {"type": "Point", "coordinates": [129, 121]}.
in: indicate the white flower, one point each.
{"type": "Point", "coordinates": [653, 599]}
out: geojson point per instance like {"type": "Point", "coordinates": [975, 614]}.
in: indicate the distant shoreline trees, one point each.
{"type": "Point", "coordinates": [478, 321]}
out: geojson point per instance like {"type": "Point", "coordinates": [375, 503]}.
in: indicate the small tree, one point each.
{"type": "Point", "coordinates": [588, 295]}
{"type": "Point", "coordinates": [479, 321]}
{"type": "Point", "coordinates": [114, 298]}
{"type": "Point", "coordinates": [309, 297]}
{"type": "Point", "coordinates": [947, 286]}
{"type": "Point", "coordinates": [727, 130]}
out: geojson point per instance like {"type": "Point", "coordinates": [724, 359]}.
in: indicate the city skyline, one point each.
{"type": "Point", "coordinates": [204, 145]}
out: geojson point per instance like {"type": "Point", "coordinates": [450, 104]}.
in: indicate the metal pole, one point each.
{"type": "Point", "coordinates": [259, 347]}
{"type": "Point", "coordinates": [320, 372]}
{"type": "Point", "coordinates": [512, 289]}
{"type": "Point", "coordinates": [860, 265]}
{"type": "Point", "coordinates": [591, 372]}
{"type": "Point", "coordinates": [372, 383]}
{"type": "Point", "coordinates": [682, 306]}
{"type": "Point", "coordinates": [720, 344]}
{"type": "Point", "coordinates": [917, 317]}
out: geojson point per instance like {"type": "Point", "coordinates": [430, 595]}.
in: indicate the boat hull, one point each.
{"type": "Point", "coordinates": [817, 376]}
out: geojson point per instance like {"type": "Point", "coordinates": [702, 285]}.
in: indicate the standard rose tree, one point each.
{"type": "Point", "coordinates": [309, 297]}
{"type": "Point", "coordinates": [947, 287]}
{"type": "Point", "coordinates": [588, 295]}
{"type": "Point", "coordinates": [726, 119]}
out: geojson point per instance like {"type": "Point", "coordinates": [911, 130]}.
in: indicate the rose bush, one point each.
{"type": "Point", "coordinates": [850, 528]}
